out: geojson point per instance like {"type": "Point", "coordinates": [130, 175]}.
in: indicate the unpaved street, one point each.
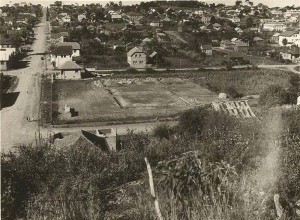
{"type": "Point", "coordinates": [15, 129]}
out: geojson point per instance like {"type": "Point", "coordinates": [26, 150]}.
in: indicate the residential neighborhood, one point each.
{"type": "Point", "coordinates": [150, 109]}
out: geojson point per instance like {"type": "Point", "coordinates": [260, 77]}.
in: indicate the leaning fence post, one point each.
{"type": "Point", "coordinates": [279, 210]}
{"type": "Point", "coordinates": [152, 190]}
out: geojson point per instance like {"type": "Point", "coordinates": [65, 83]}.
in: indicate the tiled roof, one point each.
{"type": "Point", "coordinates": [288, 33]}
{"type": "Point", "coordinates": [70, 65]}
{"type": "Point", "coordinates": [82, 139]}
{"type": "Point", "coordinates": [63, 50]}
{"type": "Point", "coordinates": [206, 47]}
{"type": "Point", "coordinates": [133, 51]}
{"type": "Point", "coordinates": [257, 39]}
{"type": "Point", "coordinates": [75, 45]}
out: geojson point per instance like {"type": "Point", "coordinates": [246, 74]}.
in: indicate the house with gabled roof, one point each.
{"type": "Point", "coordinates": [60, 55]}
{"type": "Point", "coordinates": [241, 47]}
{"type": "Point", "coordinates": [217, 26]}
{"type": "Point", "coordinates": [136, 58]}
{"type": "Point", "coordinates": [207, 49]}
{"type": "Point", "coordinates": [58, 37]}
{"type": "Point", "coordinates": [75, 47]}
{"type": "Point", "coordinates": [69, 70]}
{"type": "Point", "coordinates": [292, 37]}
{"type": "Point", "coordinates": [292, 54]}
{"type": "Point", "coordinates": [100, 139]}
{"type": "Point", "coordinates": [275, 38]}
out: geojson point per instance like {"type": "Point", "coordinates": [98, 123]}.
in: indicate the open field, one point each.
{"type": "Point", "coordinates": [130, 98]}
{"type": "Point", "coordinates": [127, 99]}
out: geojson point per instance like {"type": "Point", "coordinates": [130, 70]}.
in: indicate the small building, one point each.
{"type": "Point", "coordinates": [207, 49]}
{"type": "Point", "coordinates": [136, 58]}
{"type": "Point", "coordinates": [6, 55]}
{"type": "Point", "coordinates": [56, 38]}
{"type": "Point", "coordinates": [116, 18]}
{"type": "Point", "coordinates": [226, 44]}
{"type": "Point", "coordinates": [75, 47]}
{"type": "Point", "coordinates": [60, 55]}
{"type": "Point", "coordinates": [292, 37]}
{"type": "Point", "coordinates": [206, 19]}
{"type": "Point", "coordinates": [241, 47]}
{"type": "Point", "coordinates": [275, 38]}
{"type": "Point", "coordinates": [274, 26]}
{"type": "Point", "coordinates": [103, 139]}
{"type": "Point", "coordinates": [291, 54]}
{"type": "Point", "coordinates": [258, 40]}
{"type": "Point", "coordinates": [69, 70]}
{"type": "Point", "coordinates": [238, 30]}
{"type": "Point", "coordinates": [217, 26]}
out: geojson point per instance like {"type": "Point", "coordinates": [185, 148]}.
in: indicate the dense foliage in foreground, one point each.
{"type": "Point", "coordinates": [77, 183]}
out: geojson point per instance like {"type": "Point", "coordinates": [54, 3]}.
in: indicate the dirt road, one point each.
{"type": "Point", "coordinates": [15, 129]}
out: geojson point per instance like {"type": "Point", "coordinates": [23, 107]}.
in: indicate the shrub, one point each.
{"type": "Point", "coordinates": [162, 131]}
{"type": "Point", "coordinates": [274, 95]}
{"type": "Point", "coordinates": [233, 92]}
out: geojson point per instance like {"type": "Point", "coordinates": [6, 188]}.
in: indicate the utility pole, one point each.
{"type": "Point", "coordinates": [180, 62]}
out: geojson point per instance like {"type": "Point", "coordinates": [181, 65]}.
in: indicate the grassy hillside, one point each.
{"type": "Point", "coordinates": [226, 175]}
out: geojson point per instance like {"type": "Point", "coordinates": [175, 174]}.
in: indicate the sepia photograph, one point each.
{"type": "Point", "coordinates": [150, 109]}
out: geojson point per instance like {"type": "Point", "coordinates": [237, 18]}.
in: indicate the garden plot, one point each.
{"type": "Point", "coordinates": [128, 99]}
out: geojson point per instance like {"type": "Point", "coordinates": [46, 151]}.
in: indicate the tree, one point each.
{"type": "Point", "coordinates": [284, 42]}
{"type": "Point", "coordinates": [238, 3]}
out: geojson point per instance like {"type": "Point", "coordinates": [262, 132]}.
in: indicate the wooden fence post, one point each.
{"type": "Point", "coordinates": [152, 190]}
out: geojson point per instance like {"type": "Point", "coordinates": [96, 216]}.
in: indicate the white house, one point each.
{"type": "Point", "coordinates": [136, 58]}
{"type": "Point", "coordinates": [69, 70]}
{"type": "Point", "coordinates": [292, 37]}
{"type": "Point", "coordinates": [61, 55]}
{"type": "Point", "coordinates": [75, 47]}
{"type": "Point", "coordinates": [199, 12]}
{"type": "Point", "coordinates": [274, 26]}
{"type": "Point", "coordinates": [66, 19]}
{"type": "Point", "coordinates": [5, 56]}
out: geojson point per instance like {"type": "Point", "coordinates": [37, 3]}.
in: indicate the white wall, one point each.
{"type": "Point", "coordinates": [60, 60]}
{"type": "Point", "coordinates": [137, 60]}
{"type": "Point", "coordinates": [295, 39]}
{"type": "Point", "coordinates": [68, 74]}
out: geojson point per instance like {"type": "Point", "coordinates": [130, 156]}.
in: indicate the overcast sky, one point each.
{"type": "Point", "coordinates": [271, 3]}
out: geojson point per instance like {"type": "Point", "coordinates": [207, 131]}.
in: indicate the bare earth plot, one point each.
{"type": "Point", "coordinates": [127, 99]}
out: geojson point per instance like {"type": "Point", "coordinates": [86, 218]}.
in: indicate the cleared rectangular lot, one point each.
{"type": "Point", "coordinates": [119, 99]}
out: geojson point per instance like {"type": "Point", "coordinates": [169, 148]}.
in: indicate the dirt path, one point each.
{"type": "Point", "coordinates": [267, 173]}
{"type": "Point", "coordinates": [15, 129]}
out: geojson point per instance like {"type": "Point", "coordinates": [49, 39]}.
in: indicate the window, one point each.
{"type": "Point", "coordinates": [140, 55]}
{"type": "Point", "coordinates": [76, 71]}
{"type": "Point", "coordinates": [136, 55]}
{"type": "Point", "coordinates": [141, 61]}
